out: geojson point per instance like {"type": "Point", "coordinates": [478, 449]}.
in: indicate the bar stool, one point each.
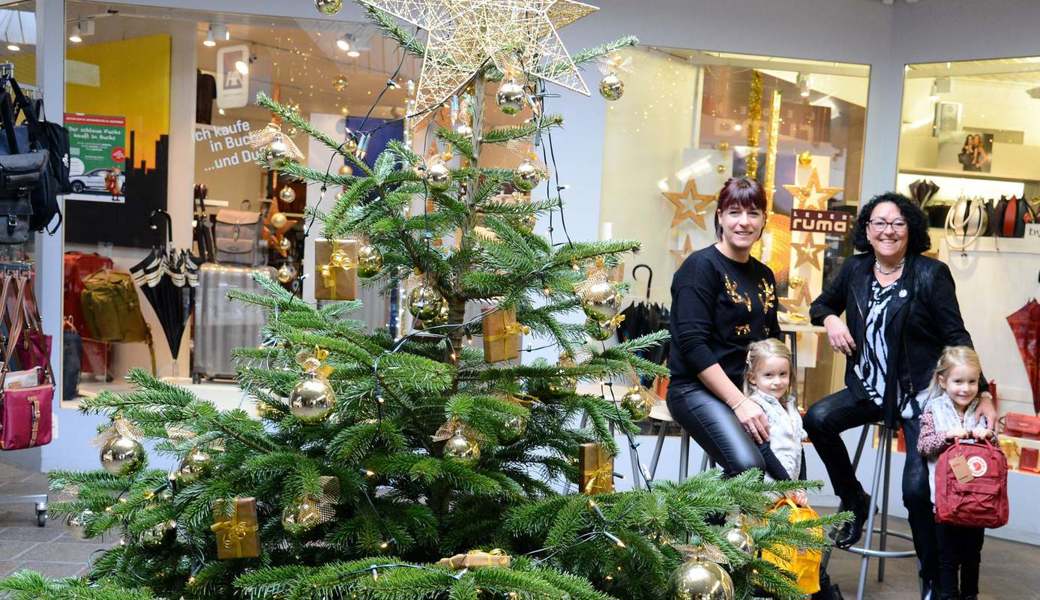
{"type": "Point", "coordinates": [662, 419]}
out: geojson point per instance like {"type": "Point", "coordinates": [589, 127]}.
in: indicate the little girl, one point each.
{"type": "Point", "coordinates": [768, 382]}
{"type": "Point", "coordinates": [952, 413]}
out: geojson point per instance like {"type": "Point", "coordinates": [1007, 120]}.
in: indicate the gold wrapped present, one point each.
{"type": "Point", "coordinates": [502, 335]}
{"type": "Point", "coordinates": [237, 535]}
{"type": "Point", "coordinates": [335, 267]}
{"type": "Point", "coordinates": [595, 469]}
{"type": "Point", "coordinates": [1011, 450]}
{"type": "Point", "coordinates": [476, 559]}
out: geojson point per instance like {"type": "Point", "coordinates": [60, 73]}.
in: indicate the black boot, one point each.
{"type": "Point", "coordinates": [930, 591]}
{"type": "Point", "coordinates": [849, 533]}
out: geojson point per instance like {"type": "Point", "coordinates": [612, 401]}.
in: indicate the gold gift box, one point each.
{"type": "Point", "coordinates": [237, 535]}
{"type": "Point", "coordinates": [476, 559]}
{"type": "Point", "coordinates": [502, 336]}
{"type": "Point", "coordinates": [332, 282]}
{"type": "Point", "coordinates": [595, 469]}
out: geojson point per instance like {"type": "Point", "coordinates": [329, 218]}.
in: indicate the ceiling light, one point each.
{"type": "Point", "coordinates": [221, 32]}
{"type": "Point", "coordinates": [242, 67]}
{"type": "Point", "coordinates": [352, 53]}
{"type": "Point", "coordinates": [77, 34]}
{"type": "Point", "coordinates": [345, 43]}
{"type": "Point", "coordinates": [14, 47]}
{"type": "Point", "coordinates": [209, 42]}
{"type": "Point", "coordinates": [803, 85]}
{"type": "Point", "coordinates": [220, 111]}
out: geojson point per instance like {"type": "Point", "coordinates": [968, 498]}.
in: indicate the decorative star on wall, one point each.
{"type": "Point", "coordinates": [809, 252]}
{"type": "Point", "coordinates": [465, 35]}
{"type": "Point", "coordinates": [686, 250]}
{"type": "Point", "coordinates": [812, 196]}
{"type": "Point", "coordinates": [683, 211]}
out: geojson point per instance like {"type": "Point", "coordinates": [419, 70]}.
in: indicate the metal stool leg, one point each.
{"type": "Point", "coordinates": [637, 468]}
{"type": "Point", "coordinates": [864, 564]}
{"type": "Point", "coordinates": [662, 430]}
{"type": "Point", "coordinates": [684, 456]}
{"type": "Point", "coordinates": [859, 448]}
{"type": "Point", "coordinates": [887, 440]}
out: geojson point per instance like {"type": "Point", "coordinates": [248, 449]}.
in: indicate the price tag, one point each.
{"type": "Point", "coordinates": [1032, 231]}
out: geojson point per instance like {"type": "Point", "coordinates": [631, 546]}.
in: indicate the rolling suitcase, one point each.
{"type": "Point", "coordinates": [221, 325]}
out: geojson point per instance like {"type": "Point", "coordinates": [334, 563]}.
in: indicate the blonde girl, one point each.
{"type": "Point", "coordinates": [769, 381]}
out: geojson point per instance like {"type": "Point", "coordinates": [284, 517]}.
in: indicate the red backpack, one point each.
{"type": "Point", "coordinates": [971, 486]}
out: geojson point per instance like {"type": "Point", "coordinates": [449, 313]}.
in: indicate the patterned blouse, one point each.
{"type": "Point", "coordinates": [873, 359]}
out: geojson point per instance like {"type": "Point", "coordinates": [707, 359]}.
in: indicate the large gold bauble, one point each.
{"type": "Point", "coordinates": [600, 332]}
{"type": "Point", "coordinates": [740, 539]}
{"type": "Point", "coordinates": [425, 303]}
{"type": "Point", "coordinates": [462, 448]}
{"type": "Point", "coordinates": [698, 579]}
{"type": "Point", "coordinates": [526, 176]}
{"type": "Point", "coordinates": [301, 516]}
{"type": "Point", "coordinates": [611, 87]}
{"type": "Point", "coordinates": [196, 464]}
{"type": "Point", "coordinates": [312, 399]}
{"type": "Point", "coordinates": [600, 301]}
{"type": "Point", "coordinates": [441, 318]}
{"type": "Point", "coordinates": [339, 83]}
{"type": "Point", "coordinates": [328, 7]}
{"type": "Point", "coordinates": [287, 195]}
{"type": "Point", "coordinates": [278, 219]}
{"type": "Point", "coordinates": [369, 261]}
{"type": "Point", "coordinates": [122, 455]}
{"type": "Point", "coordinates": [155, 535]}
{"type": "Point", "coordinates": [637, 402]}
{"type": "Point", "coordinates": [78, 523]}
{"type": "Point", "coordinates": [510, 97]}
{"type": "Point", "coordinates": [286, 273]}
{"type": "Point", "coordinates": [438, 176]}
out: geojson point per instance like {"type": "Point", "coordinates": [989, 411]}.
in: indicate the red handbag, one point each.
{"type": "Point", "coordinates": [25, 413]}
{"type": "Point", "coordinates": [971, 486]}
{"type": "Point", "coordinates": [1022, 425]}
{"type": "Point", "coordinates": [34, 349]}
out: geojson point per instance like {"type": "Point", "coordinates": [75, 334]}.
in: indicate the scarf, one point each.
{"type": "Point", "coordinates": [945, 416]}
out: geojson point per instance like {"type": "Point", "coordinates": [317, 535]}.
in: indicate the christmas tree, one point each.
{"type": "Point", "coordinates": [419, 466]}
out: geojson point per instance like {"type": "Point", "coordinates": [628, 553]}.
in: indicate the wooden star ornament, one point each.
{"type": "Point", "coordinates": [812, 195]}
{"type": "Point", "coordinates": [809, 252]}
{"type": "Point", "coordinates": [696, 211]}
{"type": "Point", "coordinates": [681, 254]}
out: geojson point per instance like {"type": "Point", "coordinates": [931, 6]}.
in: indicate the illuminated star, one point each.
{"type": "Point", "coordinates": [808, 253]}
{"type": "Point", "coordinates": [812, 196]}
{"type": "Point", "coordinates": [686, 250]}
{"type": "Point", "coordinates": [466, 35]}
{"type": "Point", "coordinates": [684, 211]}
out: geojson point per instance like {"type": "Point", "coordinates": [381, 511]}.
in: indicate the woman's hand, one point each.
{"type": "Point", "coordinates": [988, 408]}
{"type": "Point", "coordinates": [753, 420]}
{"type": "Point", "coordinates": [839, 335]}
{"type": "Point", "coordinates": [799, 497]}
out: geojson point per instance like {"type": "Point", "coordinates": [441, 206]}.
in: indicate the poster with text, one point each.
{"type": "Point", "coordinates": [97, 149]}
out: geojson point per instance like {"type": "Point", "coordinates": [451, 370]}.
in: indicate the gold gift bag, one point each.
{"type": "Point", "coordinates": [595, 469]}
{"type": "Point", "coordinates": [335, 281]}
{"type": "Point", "coordinates": [237, 535]}
{"type": "Point", "coordinates": [502, 336]}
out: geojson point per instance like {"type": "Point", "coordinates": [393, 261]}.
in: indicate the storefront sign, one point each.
{"type": "Point", "coordinates": [1032, 231]}
{"type": "Point", "coordinates": [97, 149]}
{"type": "Point", "coordinates": [821, 221]}
{"type": "Point", "coordinates": [233, 76]}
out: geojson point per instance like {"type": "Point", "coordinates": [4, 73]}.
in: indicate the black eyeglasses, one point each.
{"type": "Point", "coordinates": [880, 225]}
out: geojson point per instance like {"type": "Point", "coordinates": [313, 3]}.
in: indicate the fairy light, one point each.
{"type": "Point", "coordinates": [384, 545]}
{"type": "Point", "coordinates": [370, 473]}
{"type": "Point", "coordinates": [375, 574]}
{"type": "Point", "coordinates": [617, 541]}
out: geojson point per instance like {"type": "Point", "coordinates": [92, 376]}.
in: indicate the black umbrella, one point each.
{"type": "Point", "coordinates": [643, 318]}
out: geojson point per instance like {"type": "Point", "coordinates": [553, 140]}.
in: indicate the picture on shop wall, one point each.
{"type": "Point", "coordinates": [976, 152]}
{"type": "Point", "coordinates": [97, 150]}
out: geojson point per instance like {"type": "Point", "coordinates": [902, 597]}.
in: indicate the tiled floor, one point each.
{"type": "Point", "coordinates": [1009, 570]}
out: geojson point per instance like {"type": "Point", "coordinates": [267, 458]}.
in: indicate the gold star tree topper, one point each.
{"type": "Point", "coordinates": [515, 35]}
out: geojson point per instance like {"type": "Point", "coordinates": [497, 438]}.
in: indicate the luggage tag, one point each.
{"type": "Point", "coordinates": [959, 466]}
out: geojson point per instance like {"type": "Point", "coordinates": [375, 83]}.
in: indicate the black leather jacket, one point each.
{"type": "Point", "coordinates": [921, 322]}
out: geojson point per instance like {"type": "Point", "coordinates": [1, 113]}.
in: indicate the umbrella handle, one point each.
{"type": "Point", "coordinates": [168, 240]}
{"type": "Point", "coordinates": [649, 279]}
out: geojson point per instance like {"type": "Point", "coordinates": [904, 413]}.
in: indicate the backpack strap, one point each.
{"type": "Point", "coordinates": [7, 117]}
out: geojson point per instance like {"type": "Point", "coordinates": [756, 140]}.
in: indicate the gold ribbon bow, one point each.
{"type": "Point", "coordinates": [616, 321]}
{"type": "Point", "coordinates": [233, 532]}
{"type": "Point", "coordinates": [509, 330]}
{"type": "Point", "coordinates": [337, 260]}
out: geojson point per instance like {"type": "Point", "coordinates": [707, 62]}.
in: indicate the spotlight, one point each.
{"type": "Point", "coordinates": [242, 67]}
{"type": "Point", "coordinates": [345, 43]}
{"type": "Point", "coordinates": [209, 41]}
{"type": "Point", "coordinates": [803, 85]}
{"type": "Point", "coordinates": [220, 32]}
{"type": "Point", "coordinates": [352, 53]}
{"type": "Point", "coordinates": [14, 47]}
{"type": "Point", "coordinates": [77, 34]}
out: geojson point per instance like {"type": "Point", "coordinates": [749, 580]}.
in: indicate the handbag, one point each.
{"type": "Point", "coordinates": [25, 413]}
{"type": "Point", "coordinates": [30, 164]}
{"type": "Point", "coordinates": [966, 220]}
{"type": "Point", "coordinates": [52, 137]}
{"type": "Point", "coordinates": [203, 227]}
{"type": "Point", "coordinates": [34, 350]}
{"type": "Point", "coordinates": [237, 237]}
{"type": "Point", "coordinates": [1011, 216]}
{"type": "Point", "coordinates": [971, 486]}
{"type": "Point", "coordinates": [804, 564]}
{"type": "Point", "coordinates": [1021, 425]}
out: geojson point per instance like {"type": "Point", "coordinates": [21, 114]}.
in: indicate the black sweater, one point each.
{"type": "Point", "coordinates": [719, 306]}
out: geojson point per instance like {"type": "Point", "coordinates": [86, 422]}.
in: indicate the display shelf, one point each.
{"type": "Point", "coordinates": [966, 175]}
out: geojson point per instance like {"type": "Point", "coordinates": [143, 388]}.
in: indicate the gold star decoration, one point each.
{"type": "Point", "coordinates": [808, 252]}
{"type": "Point", "coordinates": [515, 35]}
{"type": "Point", "coordinates": [273, 234]}
{"type": "Point", "coordinates": [812, 196]}
{"type": "Point", "coordinates": [684, 211]}
{"type": "Point", "coordinates": [686, 250]}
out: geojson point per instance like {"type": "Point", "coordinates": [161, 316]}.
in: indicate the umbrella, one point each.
{"type": "Point", "coordinates": [643, 318]}
{"type": "Point", "coordinates": [167, 278]}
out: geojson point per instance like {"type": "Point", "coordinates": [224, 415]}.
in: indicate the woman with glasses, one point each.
{"type": "Point", "coordinates": [900, 312]}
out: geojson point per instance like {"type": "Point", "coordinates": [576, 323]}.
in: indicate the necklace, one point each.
{"type": "Point", "coordinates": [877, 267]}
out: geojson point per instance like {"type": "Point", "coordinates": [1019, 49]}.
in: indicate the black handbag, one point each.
{"type": "Point", "coordinates": [32, 183]}
{"type": "Point", "coordinates": [44, 135]}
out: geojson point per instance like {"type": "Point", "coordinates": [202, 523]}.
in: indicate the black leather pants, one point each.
{"type": "Point", "coordinates": [842, 411]}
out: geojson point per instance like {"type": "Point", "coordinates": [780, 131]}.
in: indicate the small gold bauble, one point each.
{"type": "Point", "coordinates": [462, 448]}
{"type": "Point", "coordinates": [637, 402]}
{"type": "Point", "coordinates": [278, 219]}
{"type": "Point", "coordinates": [349, 145]}
{"type": "Point", "coordinates": [78, 523]}
{"type": "Point", "coordinates": [276, 150]}
{"type": "Point", "coordinates": [312, 399]}
{"type": "Point", "coordinates": [154, 536]}
{"type": "Point", "coordinates": [285, 244]}
{"type": "Point", "coordinates": [425, 303]}
{"type": "Point", "coordinates": [328, 7]}
{"type": "Point", "coordinates": [698, 579]}
{"type": "Point", "coordinates": [346, 170]}
{"type": "Point", "coordinates": [720, 169]}
{"type": "Point", "coordinates": [302, 516]}
{"type": "Point", "coordinates": [287, 195]}
{"type": "Point", "coordinates": [611, 87]}
{"type": "Point", "coordinates": [369, 261]}
{"type": "Point", "coordinates": [339, 83]}
{"type": "Point", "coordinates": [510, 97]}
{"type": "Point", "coordinates": [196, 464]}
{"type": "Point", "coordinates": [526, 176]}
{"type": "Point", "coordinates": [600, 332]}
{"type": "Point", "coordinates": [440, 319]}
{"type": "Point", "coordinates": [122, 455]}
{"type": "Point", "coordinates": [600, 301]}
{"type": "Point", "coordinates": [438, 176]}
{"type": "Point", "coordinates": [805, 159]}
{"type": "Point", "coordinates": [286, 273]}
{"type": "Point", "coordinates": [722, 146]}
{"type": "Point", "coordinates": [740, 539]}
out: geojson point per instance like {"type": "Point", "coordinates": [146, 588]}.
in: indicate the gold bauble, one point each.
{"type": "Point", "coordinates": [722, 146]}
{"type": "Point", "coordinates": [462, 448]}
{"type": "Point", "coordinates": [805, 158]}
{"type": "Point", "coordinates": [349, 145]}
{"type": "Point", "coordinates": [278, 219]}
{"type": "Point", "coordinates": [720, 169]}
{"type": "Point", "coordinates": [637, 402]}
{"type": "Point", "coordinates": [369, 261]}
{"type": "Point", "coordinates": [311, 364]}
{"type": "Point", "coordinates": [698, 579]}
{"type": "Point", "coordinates": [275, 151]}
{"type": "Point", "coordinates": [302, 515]}
{"type": "Point", "coordinates": [510, 97]}
{"type": "Point", "coordinates": [122, 455]}
{"type": "Point", "coordinates": [78, 523]}
{"type": "Point", "coordinates": [514, 427]}
{"type": "Point", "coordinates": [312, 399]}
{"type": "Point", "coordinates": [438, 176]}
{"type": "Point", "coordinates": [287, 195]}
{"type": "Point", "coordinates": [425, 303]}
{"type": "Point", "coordinates": [440, 319]}
{"type": "Point", "coordinates": [339, 83]}
{"type": "Point", "coordinates": [740, 539]}
{"type": "Point", "coordinates": [196, 464]}
{"type": "Point", "coordinates": [600, 300]}
{"type": "Point", "coordinates": [285, 244]}
{"type": "Point", "coordinates": [346, 170]}
{"type": "Point", "coordinates": [611, 87]}
{"type": "Point", "coordinates": [286, 273]}
{"type": "Point", "coordinates": [328, 7]}
{"type": "Point", "coordinates": [154, 536]}
{"type": "Point", "coordinates": [600, 332]}
{"type": "Point", "coordinates": [526, 176]}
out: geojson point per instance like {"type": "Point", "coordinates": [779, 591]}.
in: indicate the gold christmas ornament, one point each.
{"type": "Point", "coordinates": [196, 464]}
{"type": "Point", "coordinates": [274, 147]}
{"type": "Point", "coordinates": [346, 170]}
{"type": "Point", "coordinates": [599, 298]}
{"type": "Point", "coordinates": [278, 219]}
{"type": "Point", "coordinates": [740, 539]}
{"type": "Point", "coordinates": [611, 87]}
{"type": "Point", "coordinates": [369, 260]}
{"type": "Point", "coordinates": [464, 37]}
{"type": "Point", "coordinates": [462, 448]}
{"type": "Point", "coordinates": [425, 303]}
{"type": "Point", "coordinates": [286, 273]}
{"type": "Point", "coordinates": [526, 176]}
{"type": "Point", "coordinates": [340, 83]}
{"type": "Point", "coordinates": [514, 427]}
{"type": "Point", "coordinates": [312, 399]}
{"type": "Point", "coordinates": [155, 535]}
{"type": "Point", "coordinates": [720, 168]}
{"type": "Point", "coordinates": [805, 159]}
{"type": "Point", "coordinates": [122, 454]}
{"type": "Point", "coordinates": [510, 97]}
{"type": "Point", "coordinates": [287, 195]}
{"type": "Point", "coordinates": [285, 244]}
{"type": "Point", "coordinates": [438, 176]}
{"type": "Point", "coordinates": [78, 523]}
{"type": "Point", "coordinates": [699, 579]}
{"type": "Point", "coordinates": [301, 516]}
{"type": "Point", "coordinates": [328, 7]}
{"type": "Point", "coordinates": [349, 145]}
{"type": "Point", "coordinates": [637, 402]}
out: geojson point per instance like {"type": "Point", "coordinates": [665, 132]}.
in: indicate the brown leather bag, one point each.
{"type": "Point", "coordinates": [237, 237]}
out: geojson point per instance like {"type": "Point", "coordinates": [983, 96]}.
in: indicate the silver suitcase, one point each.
{"type": "Point", "coordinates": [221, 325]}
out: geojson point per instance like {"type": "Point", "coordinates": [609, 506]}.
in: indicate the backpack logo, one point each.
{"type": "Point", "coordinates": [977, 465]}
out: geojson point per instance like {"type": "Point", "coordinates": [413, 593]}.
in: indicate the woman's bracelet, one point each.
{"type": "Point", "coordinates": [737, 405]}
